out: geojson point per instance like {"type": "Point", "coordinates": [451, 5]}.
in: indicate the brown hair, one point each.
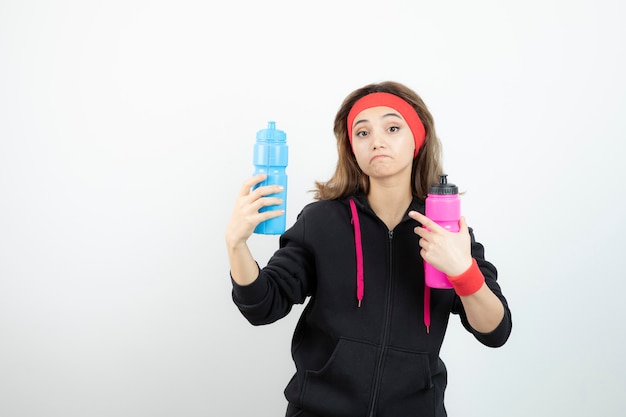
{"type": "Point", "coordinates": [348, 177]}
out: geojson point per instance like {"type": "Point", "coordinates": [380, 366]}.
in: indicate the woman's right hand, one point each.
{"type": "Point", "coordinates": [246, 216]}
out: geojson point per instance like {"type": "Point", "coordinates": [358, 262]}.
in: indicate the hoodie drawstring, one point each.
{"type": "Point", "coordinates": [359, 267]}
{"type": "Point", "coordinates": [427, 307]}
{"type": "Point", "coordinates": [359, 252]}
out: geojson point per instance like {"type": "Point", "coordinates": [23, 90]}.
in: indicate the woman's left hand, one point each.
{"type": "Point", "coordinates": [447, 251]}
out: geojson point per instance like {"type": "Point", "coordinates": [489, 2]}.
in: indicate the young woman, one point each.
{"type": "Point", "coordinates": [368, 341]}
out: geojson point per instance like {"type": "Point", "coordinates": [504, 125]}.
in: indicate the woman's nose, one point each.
{"type": "Point", "coordinates": [378, 140]}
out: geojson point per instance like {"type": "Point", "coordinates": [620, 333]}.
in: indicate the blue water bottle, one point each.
{"type": "Point", "coordinates": [270, 157]}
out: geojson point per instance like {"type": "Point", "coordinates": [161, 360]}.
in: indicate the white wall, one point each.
{"type": "Point", "coordinates": [126, 129]}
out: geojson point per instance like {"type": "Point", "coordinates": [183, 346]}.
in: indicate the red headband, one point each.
{"type": "Point", "coordinates": [390, 100]}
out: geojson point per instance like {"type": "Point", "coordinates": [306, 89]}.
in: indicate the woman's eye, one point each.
{"type": "Point", "coordinates": [361, 134]}
{"type": "Point", "coordinates": [394, 128]}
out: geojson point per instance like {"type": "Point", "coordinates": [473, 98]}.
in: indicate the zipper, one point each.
{"type": "Point", "coordinates": [385, 332]}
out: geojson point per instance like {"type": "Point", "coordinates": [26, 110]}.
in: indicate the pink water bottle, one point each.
{"type": "Point", "coordinates": [443, 206]}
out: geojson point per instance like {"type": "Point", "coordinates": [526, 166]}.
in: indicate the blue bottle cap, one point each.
{"type": "Point", "coordinates": [271, 134]}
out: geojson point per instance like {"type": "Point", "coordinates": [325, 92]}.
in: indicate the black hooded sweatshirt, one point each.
{"type": "Point", "coordinates": [376, 359]}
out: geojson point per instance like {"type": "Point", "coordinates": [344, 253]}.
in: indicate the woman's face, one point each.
{"type": "Point", "coordinates": [382, 143]}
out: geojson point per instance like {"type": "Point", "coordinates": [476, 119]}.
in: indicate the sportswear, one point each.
{"type": "Point", "coordinates": [376, 359]}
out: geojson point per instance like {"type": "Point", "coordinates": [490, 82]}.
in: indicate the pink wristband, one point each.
{"type": "Point", "coordinates": [469, 281]}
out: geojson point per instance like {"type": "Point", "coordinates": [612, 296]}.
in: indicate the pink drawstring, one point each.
{"type": "Point", "coordinates": [427, 307]}
{"type": "Point", "coordinates": [359, 252]}
{"type": "Point", "coordinates": [359, 267]}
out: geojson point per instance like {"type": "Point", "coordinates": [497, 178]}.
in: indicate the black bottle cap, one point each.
{"type": "Point", "coordinates": [443, 188]}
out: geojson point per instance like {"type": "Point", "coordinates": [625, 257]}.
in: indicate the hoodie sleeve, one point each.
{"type": "Point", "coordinates": [500, 334]}
{"type": "Point", "coordinates": [286, 280]}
